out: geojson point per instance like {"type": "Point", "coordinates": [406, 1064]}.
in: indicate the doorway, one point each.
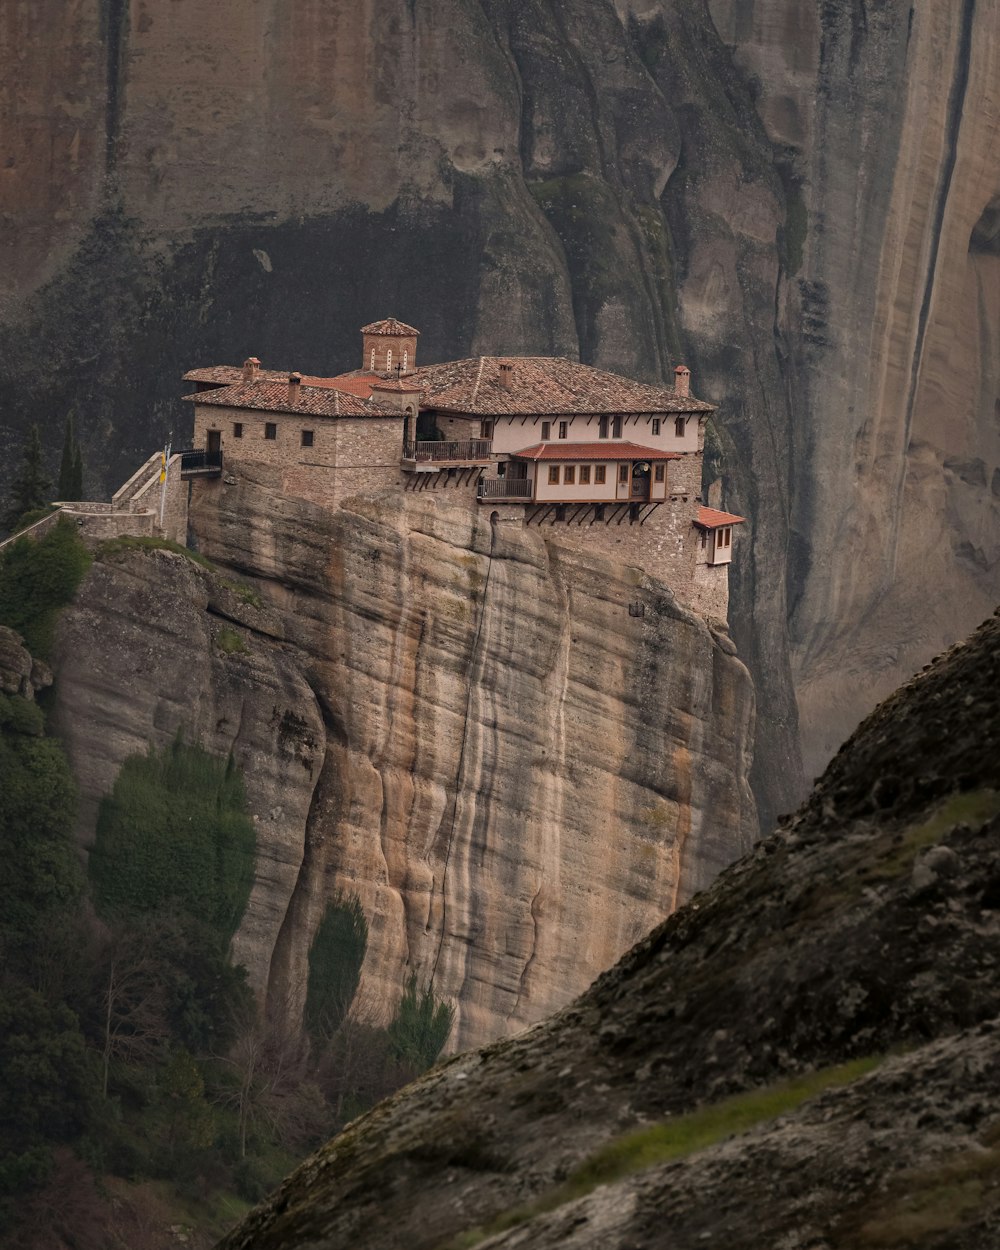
{"type": "Point", "coordinates": [640, 481]}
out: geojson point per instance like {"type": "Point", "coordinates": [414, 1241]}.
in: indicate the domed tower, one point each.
{"type": "Point", "coordinates": [390, 347]}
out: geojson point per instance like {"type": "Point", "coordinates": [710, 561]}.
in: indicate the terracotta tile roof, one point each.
{"type": "Point", "coordinates": [226, 374]}
{"type": "Point", "coordinates": [712, 518]}
{"type": "Point", "coordinates": [389, 326]}
{"type": "Point", "coordinates": [270, 396]}
{"type": "Point", "coordinates": [604, 450]}
{"type": "Point", "coordinates": [544, 385]}
{"type": "Point", "coordinates": [397, 385]}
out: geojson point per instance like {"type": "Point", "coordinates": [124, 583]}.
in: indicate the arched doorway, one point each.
{"type": "Point", "coordinates": [640, 480]}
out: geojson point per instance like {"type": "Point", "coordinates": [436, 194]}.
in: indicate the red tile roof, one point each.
{"type": "Point", "coordinates": [390, 326]}
{"type": "Point", "coordinates": [712, 518]}
{"type": "Point", "coordinates": [270, 396]}
{"type": "Point", "coordinates": [226, 374]}
{"type": "Point", "coordinates": [605, 450]}
{"type": "Point", "coordinates": [543, 385]}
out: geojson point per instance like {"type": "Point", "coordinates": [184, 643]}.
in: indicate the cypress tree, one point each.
{"type": "Point", "coordinates": [77, 482]}
{"type": "Point", "coordinates": [30, 488]}
{"type": "Point", "coordinates": [65, 487]}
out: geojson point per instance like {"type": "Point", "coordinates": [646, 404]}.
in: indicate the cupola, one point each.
{"type": "Point", "coordinates": [389, 347]}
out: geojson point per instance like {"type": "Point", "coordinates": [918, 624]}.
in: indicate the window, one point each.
{"type": "Point", "coordinates": [727, 536]}
{"type": "Point", "coordinates": [546, 430]}
{"type": "Point", "coordinates": [656, 426]}
{"type": "Point", "coordinates": [600, 474]}
{"type": "Point", "coordinates": [563, 428]}
{"type": "Point", "coordinates": [584, 474]}
{"type": "Point", "coordinates": [237, 429]}
{"type": "Point", "coordinates": [553, 475]}
{"type": "Point", "coordinates": [569, 475]}
{"type": "Point", "coordinates": [485, 429]}
{"type": "Point", "coordinates": [270, 430]}
{"type": "Point", "coordinates": [388, 360]}
{"type": "Point", "coordinates": [373, 360]}
{"type": "Point", "coordinates": [658, 473]}
{"type": "Point", "coordinates": [602, 427]}
{"type": "Point", "coordinates": [623, 473]}
{"type": "Point", "coordinates": [406, 361]}
{"type": "Point", "coordinates": [679, 427]}
{"type": "Point", "coordinates": [307, 438]}
{"type": "Point", "coordinates": [618, 427]}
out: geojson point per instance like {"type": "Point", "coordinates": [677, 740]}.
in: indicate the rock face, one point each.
{"type": "Point", "coordinates": [458, 721]}
{"type": "Point", "coordinates": [800, 201]}
{"type": "Point", "coordinates": [868, 925]}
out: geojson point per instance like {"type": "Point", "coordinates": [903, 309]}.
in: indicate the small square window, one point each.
{"type": "Point", "coordinates": [546, 430]}
{"type": "Point", "coordinates": [307, 438]}
{"type": "Point", "coordinates": [623, 473]}
{"type": "Point", "coordinates": [600, 474]}
{"type": "Point", "coordinates": [563, 428]}
{"type": "Point", "coordinates": [237, 429]}
{"type": "Point", "coordinates": [553, 475]}
{"type": "Point", "coordinates": [584, 474]}
{"type": "Point", "coordinates": [656, 426]}
{"type": "Point", "coordinates": [679, 426]}
{"type": "Point", "coordinates": [658, 473]}
{"type": "Point", "coordinates": [569, 475]}
{"type": "Point", "coordinates": [270, 430]}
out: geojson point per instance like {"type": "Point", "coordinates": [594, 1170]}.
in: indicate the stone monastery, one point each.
{"type": "Point", "coordinates": [615, 464]}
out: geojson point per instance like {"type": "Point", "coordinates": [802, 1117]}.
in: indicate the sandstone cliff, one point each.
{"type": "Point", "coordinates": [800, 200]}
{"type": "Point", "coordinates": [458, 721]}
{"type": "Point", "coordinates": [657, 1111]}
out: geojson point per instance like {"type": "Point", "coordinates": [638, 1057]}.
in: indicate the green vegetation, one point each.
{"type": "Point", "coordinates": [175, 830]}
{"type": "Point", "coordinates": [230, 641]}
{"type": "Point", "coordinates": [29, 490]}
{"type": "Point", "coordinates": [676, 1138]}
{"type": "Point", "coordinates": [420, 1027]}
{"type": "Point", "coordinates": [335, 958]}
{"type": "Point", "coordinates": [70, 485]}
{"type": "Point", "coordinates": [39, 577]}
{"type": "Point", "coordinates": [127, 542]}
{"type": "Point", "coordinates": [246, 594]}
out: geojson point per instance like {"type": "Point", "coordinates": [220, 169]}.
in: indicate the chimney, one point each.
{"type": "Point", "coordinates": [682, 381]}
{"type": "Point", "coordinates": [294, 382]}
{"type": "Point", "coordinates": [506, 375]}
{"type": "Point", "coordinates": [251, 367]}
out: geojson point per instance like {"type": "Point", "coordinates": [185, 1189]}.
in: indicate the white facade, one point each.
{"type": "Point", "coordinates": [511, 434]}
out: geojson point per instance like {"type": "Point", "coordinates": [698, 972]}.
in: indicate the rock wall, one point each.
{"type": "Point", "coordinates": [460, 722]}
{"type": "Point", "coordinates": [799, 200]}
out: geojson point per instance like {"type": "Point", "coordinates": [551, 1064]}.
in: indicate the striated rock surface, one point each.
{"type": "Point", "coordinates": [458, 721]}
{"type": "Point", "coordinates": [799, 200]}
{"type": "Point", "coordinates": [868, 927]}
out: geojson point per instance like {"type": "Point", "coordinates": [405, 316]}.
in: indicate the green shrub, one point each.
{"type": "Point", "coordinates": [230, 642]}
{"type": "Point", "coordinates": [335, 958]}
{"type": "Point", "coordinates": [38, 577]}
{"type": "Point", "coordinates": [175, 830]}
{"type": "Point", "coordinates": [420, 1027]}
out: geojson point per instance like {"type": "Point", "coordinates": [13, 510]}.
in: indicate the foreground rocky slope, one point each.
{"type": "Point", "coordinates": [461, 723]}
{"type": "Point", "coordinates": [868, 926]}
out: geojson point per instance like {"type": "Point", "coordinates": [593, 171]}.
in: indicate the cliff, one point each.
{"type": "Point", "coordinates": [801, 202]}
{"type": "Point", "coordinates": [458, 721]}
{"type": "Point", "coordinates": [804, 1056]}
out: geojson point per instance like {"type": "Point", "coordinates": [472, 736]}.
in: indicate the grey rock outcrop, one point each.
{"type": "Point", "coordinates": [814, 950]}
{"type": "Point", "coordinates": [459, 722]}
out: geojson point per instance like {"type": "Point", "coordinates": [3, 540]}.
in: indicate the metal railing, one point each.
{"type": "Point", "coordinates": [467, 449]}
{"type": "Point", "coordinates": [201, 462]}
{"type": "Point", "coordinates": [504, 488]}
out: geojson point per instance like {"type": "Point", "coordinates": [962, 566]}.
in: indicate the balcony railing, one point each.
{"type": "Point", "coordinates": [468, 449]}
{"type": "Point", "coordinates": [201, 463]}
{"type": "Point", "coordinates": [504, 488]}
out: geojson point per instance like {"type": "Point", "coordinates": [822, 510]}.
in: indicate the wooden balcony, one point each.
{"type": "Point", "coordinates": [500, 488]}
{"type": "Point", "coordinates": [443, 454]}
{"type": "Point", "coordinates": [201, 464]}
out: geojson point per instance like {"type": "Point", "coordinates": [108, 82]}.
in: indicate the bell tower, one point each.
{"type": "Point", "coordinates": [389, 347]}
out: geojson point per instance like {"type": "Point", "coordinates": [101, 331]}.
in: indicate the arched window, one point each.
{"type": "Point", "coordinates": [373, 360]}
{"type": "Point", "coordinates": [406, 360]}
{"type": "Point", "coordinates": [388, 360]}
